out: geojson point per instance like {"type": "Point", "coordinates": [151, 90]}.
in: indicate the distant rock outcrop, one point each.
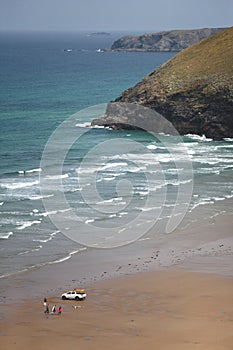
{"type": "Point", "coordinates": [173, 40]}
{"type": "Point", "coordinates": [193, 90]}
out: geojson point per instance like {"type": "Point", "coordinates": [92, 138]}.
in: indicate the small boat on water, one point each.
{"type": "Point", "coordinates": [68, 50]}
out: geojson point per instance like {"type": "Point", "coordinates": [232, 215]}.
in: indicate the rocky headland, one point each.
{"type": "Point", "coordinates": [173, 40]}
{"type": "Point", "coordinates": [193, 91]}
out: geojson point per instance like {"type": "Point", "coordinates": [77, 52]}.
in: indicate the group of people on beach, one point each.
{"type": "Point", "coordinates": [54, 310]}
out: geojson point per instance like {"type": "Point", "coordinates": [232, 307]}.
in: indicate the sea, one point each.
{"type": "Point", "coordinates": [67, 187]}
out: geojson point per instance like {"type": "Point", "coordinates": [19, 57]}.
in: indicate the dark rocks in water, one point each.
{"type": "Point", "coordinates": [173, 40]}
{"type": "Point", "coordinates": [129, 116]}
{"type": "Point", "coordinates": [193, 91]}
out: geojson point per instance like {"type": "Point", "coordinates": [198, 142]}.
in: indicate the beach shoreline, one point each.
{"type": "Point", "coordinates": [191, 248]}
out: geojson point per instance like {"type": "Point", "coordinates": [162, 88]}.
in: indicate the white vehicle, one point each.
{"type": "Point", "coordinates": [75, 294]}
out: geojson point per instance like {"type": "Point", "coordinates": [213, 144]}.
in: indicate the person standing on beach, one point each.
{"type": "Point", "coordinates": [54, 309]}
{"type": "Point", "coordinates": [59, 310]}
{"type": "Point", "coordinates": [46, 311]}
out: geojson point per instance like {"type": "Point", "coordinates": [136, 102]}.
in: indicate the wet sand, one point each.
{"type": "Point", "coordinates": [172, 293]}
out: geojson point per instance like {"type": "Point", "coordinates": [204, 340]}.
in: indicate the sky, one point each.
{"type": "Point", "coordinates": [113, 15]}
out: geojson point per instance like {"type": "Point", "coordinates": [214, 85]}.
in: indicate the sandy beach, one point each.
{"type": "Point", "coordinates": [176, 293]}
{"type": "Point", "coordinates": [165, 310]}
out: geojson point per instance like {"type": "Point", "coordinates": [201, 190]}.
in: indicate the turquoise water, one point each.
{"type": "Point", "coordinates": [41, 86]}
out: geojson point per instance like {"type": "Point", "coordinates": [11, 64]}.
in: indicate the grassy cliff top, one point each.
{"type": "Point", "coordinates": [209, 62]}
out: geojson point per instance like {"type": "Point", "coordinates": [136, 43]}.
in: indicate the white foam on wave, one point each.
{"type": "Point", "coordinates": [83, 125]}
{"type": "Point", "coordinates": [149, 209]}
{"type": "Point", "coordinates": [35, 197]}
{"type": "Point", "coordinates": [151, 147]}
{"type": "Point", "coordinates": [228, 139]}
{"type": "Point", "coordinates": [112, 200]}
{"type": "Point", "coordinates": [28, 224]}
{"type": "Point", "coordinates": [142, 193]}
{"type": "Point", "coordinates": [51, 236]}
{"type": "Point", "coordinates": [36, 170]}
{"type": "Point", "coordinates": [210, 200]}
{"type": "Point", "coordinates": [86, 170]}
{"type": "Point", "coordinates": [109, 178]}
{"type": "Point", "coordinates": [224, 146]}
{"type": "Point", "coordinates": [218, 198]}
{"type": "Point", "coordinates": [114, 165]}
{"type": "Point", "coordinates": [53, 212]}
{"type": "Point", "coordinates": [66, 257]}
{"type": "Point", "coordinates": [202, 202]}
{"type": "Point", "coordinates": [202, 138]}
{"type": "Point", "coordinates": [18, 185]}
{"type": "Point", "coordinates": [31, 250]}
{"type": "Point", "coordinates": [208, 171]}
{"type": "Point", "coordinates": [5, 235]}
{"type": "Point", "coordinates": [1, 203]}
{"type": "Point", "coordinates": [88, 221]}
{"type": "Point", "coordinates": [123, 213]}
{"type": "Point", "coordinates": [57, 177]}
{"type": "Point", "coordinates": [228, 196]}
{"type": "Point", "coordinates": [173, 171]}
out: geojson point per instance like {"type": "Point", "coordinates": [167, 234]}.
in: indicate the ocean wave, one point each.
{"type": "Point", "coordinates": [149, 209]}
{"type": "Point", "coordinates": [123, 213]}
{"type": "Point", "coordinates": [51, 236]}
{"type": "Point", "coordinates": [202, 138]}
{"type": "Point", "coordinates": [228, 139]}
{"type": "Point", "coordinates": [210, 200]}
{"type": "Point", "coordinates": [88, 221]}
{"type": "Point", "coordinates": [202, 202]}
{"type": "Point", "coordinates": [37, 197]}
{"type": "Point", "coordinates": [36, 170]}
{"type": "Point", "coordinates": [109, 178]}
{"type": "Point", "coordinates": [43, 264]}
{"type": "Point", "coordinates": [218, 198]}
{"type": "Point", "coordinates": [224, 146]}
{"type": "Point", "coordinates": [112, 200]}
{"type": "Point", "coordinates": [53, 212]}
{"type": "Point", "coordinates": [1, 203]}
{"type": "Point", "coordinates": [28, 224]}
{"type": "Point", "coordinates": [66, 257]}
{"type": "Point", "coordinates": [18, 185]}
{"type": "Point", "coordinates": [114, 165]}
{"type": "Point", "coordinates": [31, 250]}
{"type": "Point", "coordinates": [83, 125]}
{"type": "Point", "coordinates": [151, 147]}
{"type": "Point", "coordinates": [5, 235]}
{"type": "Point", "coordinates": [213, 160]}
{"type": "Point", "coordinates": [57, 177]}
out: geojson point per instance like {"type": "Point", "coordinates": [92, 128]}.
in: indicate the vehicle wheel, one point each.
{"type": "Point", "coordinates": [77, 298]}
{"type": "Point", "coordinates": [63, 297]}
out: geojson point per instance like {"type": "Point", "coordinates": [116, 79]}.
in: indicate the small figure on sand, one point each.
{"type": "Point", "coordinates": [59, 310]}
{"type": "Point", "coordinates": [46, 311]}
{"type": "Point", "coordinates": [54, 309]}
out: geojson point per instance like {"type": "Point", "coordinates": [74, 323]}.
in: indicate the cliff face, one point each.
{"type": "Point", "coordinates": [193, 90]}
{"type": "Point", "coordinates": [174, 40]}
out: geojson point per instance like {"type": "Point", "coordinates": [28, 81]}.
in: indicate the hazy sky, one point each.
{"type": "Point", "coordinates": [130, 15]}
